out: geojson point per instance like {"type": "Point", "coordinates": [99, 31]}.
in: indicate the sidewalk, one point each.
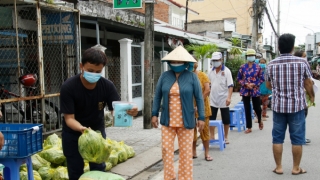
{"type": "Point", "coordinates": [145, 142]}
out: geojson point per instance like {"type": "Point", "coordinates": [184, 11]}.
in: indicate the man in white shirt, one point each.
{"type": "Point", "coordinates": [221, 91]}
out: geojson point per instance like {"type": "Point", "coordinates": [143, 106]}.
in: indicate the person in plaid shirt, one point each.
{"type": "Point", "coordinates": [288, 76]}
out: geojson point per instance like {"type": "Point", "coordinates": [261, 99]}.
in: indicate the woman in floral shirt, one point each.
{"type": "Point", "coordinates": [250, 77]}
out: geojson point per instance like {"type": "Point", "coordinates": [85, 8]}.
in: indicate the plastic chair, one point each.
{"type": "Point", "coordinates": [12, 168]}
{"type": "Point", "coordinates": [220, 141]}
{"type": "Point", "coordinates": [236, 120]}
{"type": "Point", "coordinates": [242, 112]}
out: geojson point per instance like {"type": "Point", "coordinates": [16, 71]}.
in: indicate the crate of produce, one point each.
{"type": "Point", "coordinates": [21, 140]}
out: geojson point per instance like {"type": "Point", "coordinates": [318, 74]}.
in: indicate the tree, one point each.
{"type": "Point", "coordinates": [235, 50]}
{"type": "Point", "coordinates": [202, 52]}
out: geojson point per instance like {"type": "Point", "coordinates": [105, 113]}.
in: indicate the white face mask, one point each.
{"type": "Point", "coordinates": [180, 64]}
{"type": "Point", "coordinates": [216, 63]}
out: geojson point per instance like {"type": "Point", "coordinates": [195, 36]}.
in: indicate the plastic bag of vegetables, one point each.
{"type": "Point", "coordinates": [52, 141]}
{"type": "Point", "coordinates": [113, 158]}
{"type": "Point", "coordinates": [24, 175]}
{"type": "Point", "coordinates": [108, 166]}
{"type": "Point", "coordinates": [86, 167]}
{"type": "Point", "coordinates": [53, 155]}
{"type": "Point", "coordinates": [129, 150]}
{"type": "Point", "coordinates": [98, 175]}
{"type": "Point", "coordinates": [46, 173]}
{"type": "Point", "coordinates": [38, 162]}
{"type": "Point", "coordinates": [92, 147]}
{"type": "Point", "coordinates": [61, 173]}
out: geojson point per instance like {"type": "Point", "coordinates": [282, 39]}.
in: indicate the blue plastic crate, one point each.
{"type": "Point", "coordinates": [21, 140]}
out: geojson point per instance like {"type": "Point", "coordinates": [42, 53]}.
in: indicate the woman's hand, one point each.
{"type": "Point", "coordinates": [133, 111]}
{"type": "Point", "coordinates": [200, 125]}
{"type": "Point", "coordinates": [154, 121]}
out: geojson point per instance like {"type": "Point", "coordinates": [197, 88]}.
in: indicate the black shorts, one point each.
{"type": "Point", "coordinates": [225, 114]}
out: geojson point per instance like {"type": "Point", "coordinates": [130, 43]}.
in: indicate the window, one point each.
{"type": "Point", "coordinates": [177, 22]}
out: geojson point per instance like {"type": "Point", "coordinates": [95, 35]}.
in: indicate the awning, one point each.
{"type": "Point", "coordinates": [12, 33]}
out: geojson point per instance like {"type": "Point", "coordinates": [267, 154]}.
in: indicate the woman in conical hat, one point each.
{"type": "Point", "coordinates": [176, 89]}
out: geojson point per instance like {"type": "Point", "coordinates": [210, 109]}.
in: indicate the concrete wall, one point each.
{"type": "Point", "coordinates": [222, 9]}
{"type": "Point", "coordinates": [161, 11]}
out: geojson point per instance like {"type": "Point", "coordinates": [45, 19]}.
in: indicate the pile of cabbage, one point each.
{"type": "Point", "coordinates": [50, 163]}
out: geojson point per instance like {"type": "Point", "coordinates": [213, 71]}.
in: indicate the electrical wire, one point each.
{"type": "Point", "coordinates": [271, 11]}
{"type": "Point", "coordinates": [235, 10]}
{"type": "Point", "coordinates": [266, 9]}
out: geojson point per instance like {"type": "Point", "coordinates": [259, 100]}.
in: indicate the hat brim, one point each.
{"type": "Point", "coordinates": [179, 54]}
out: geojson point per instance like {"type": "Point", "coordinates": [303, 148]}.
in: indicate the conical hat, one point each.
{"type": "Point", "coordinates": [179, 54]}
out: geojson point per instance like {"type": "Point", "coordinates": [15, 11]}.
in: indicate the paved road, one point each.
{"type": "Point", "coordinates": [250, 157]}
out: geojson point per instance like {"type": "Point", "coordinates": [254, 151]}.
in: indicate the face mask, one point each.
{"type": "Point", "coordinates": [263, 66]}
{"type": "Point", "coordinates": [256, 61]}
{"type": "Point", "coordinates": [91, 77]}
{"type": "Point", "coordinates": [216, 63]}
{"type": "Point", "coordinates": [191, 66]}
{"type": "Point", "coordinates": [251, 58]}
{"type": "Point", "coordinates": [178, 67]}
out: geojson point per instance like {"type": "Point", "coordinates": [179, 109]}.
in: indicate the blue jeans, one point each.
{"type": "Point", "coordinates": [297, 127]}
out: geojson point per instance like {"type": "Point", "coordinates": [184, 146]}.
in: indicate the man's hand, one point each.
{"type": "Point", "coordinates": [228, 101]}
{"type": "Point", "coordinates": [82, 128]}
{"type": "Point", "coordinates": [1, 140]}
{"type": "Point", "coordinates": [133, 111]}
{"type": "Point", "coordinates": [154, 121]}
{"type": "Point", "coordinates": [200, 125]}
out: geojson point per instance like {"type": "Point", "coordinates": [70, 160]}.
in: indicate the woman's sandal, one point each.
{"type": "Point", "coordinates": [208, 158]}
{"type": "Point", "coordinates": [261, 126]}
{"type": "Point", "coordinates": [248, 131]}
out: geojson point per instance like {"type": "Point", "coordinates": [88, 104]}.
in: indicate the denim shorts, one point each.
{"type": "Point", "coordinates": [297, 127]}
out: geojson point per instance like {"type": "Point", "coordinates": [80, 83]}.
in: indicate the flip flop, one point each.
{"type": "Point", "coordinates": [301, 171]}
{"type": "Point", "coordinates": [248, 131]}
{"type": "Point", "coordinates": [261, 126]}
{"type": "Point", "coordinates": [194, 157]}
{"type": "Point", "coordinates": [275, 171]}
{"type": "Point", "coordinates": [208, 158]}
{"type": "Point", "coordinates": [227, 141]}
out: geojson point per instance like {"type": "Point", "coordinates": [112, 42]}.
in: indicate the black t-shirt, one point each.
{"type": "Point", "coordinates": [87, 105]}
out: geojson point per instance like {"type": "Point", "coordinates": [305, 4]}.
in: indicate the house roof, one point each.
{"type": "Point", "coordinates": [183, 7]}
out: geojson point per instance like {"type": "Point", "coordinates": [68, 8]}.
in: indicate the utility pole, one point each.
{"type": "Point", "coordinates": [278, 29]}
{"type": "Point", "coordinates": [186, 23]}
{"type": "Point", "coordinates": [255, 27]}
{"type": "Point", "coordinates": [148, 60]}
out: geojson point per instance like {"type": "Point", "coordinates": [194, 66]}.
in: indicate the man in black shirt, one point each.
{"type": "Point", "coordinates": [83, 98]}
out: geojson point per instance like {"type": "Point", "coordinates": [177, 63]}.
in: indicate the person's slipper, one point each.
{"type": "Point", "coordinates": [227, 141]}
{"type": "Point", "coordinates": [248, 131]}
{"type": "Point", "coordinates": [194, 157]}
{"type": "Point", "coordinates": [275, 171]}
{"type": "Point", "coordinates": [261, 126]}
{"type": "Point", "coordinates": [301, 171]}
{"type": "Point", "coordinates": [208, 158]}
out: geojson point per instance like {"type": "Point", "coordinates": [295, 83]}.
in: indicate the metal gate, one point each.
{"type": "Point", "coordinates": [137, 84]}
{"type": "Point", "coordinates": [40, 40]}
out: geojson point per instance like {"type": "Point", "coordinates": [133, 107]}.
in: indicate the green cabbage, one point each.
{"type": "Point", "coordinates": [129, 150]}
{"type": "Point", "coordinates": [108, 166]}
{"type": "Point", "coordinates": [86, 167]}
{"type": "Point", "coordinates": [24, 175]}
{"type": "Point", "coordinates": [38, 162]}
{"type": "Point", "coordinates": [46, 173]}
{"type": "Point", "coordinates": [309, 103]}
{"type": "Point", "coordinates": [61, 173]}
{"type": "Point", "coordinates": [53, 155]}
{"type": "Point", "coordinates": [113, 158]}
{"type": "Point", "coordinates": [52, 141]}
{"type": "Point", "coordinates": [93, 147]}
{"type": "Point", "coordinates": [98, 175]}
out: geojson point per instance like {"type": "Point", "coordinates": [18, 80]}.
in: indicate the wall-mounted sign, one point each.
{"type": "Point", "coordinates": [127, 4]}
{"type": "Point", "coordinates": [58, 27]}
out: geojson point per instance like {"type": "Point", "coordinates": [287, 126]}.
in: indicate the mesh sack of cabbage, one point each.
{"type": "Point", "coordinates": [93, 147]}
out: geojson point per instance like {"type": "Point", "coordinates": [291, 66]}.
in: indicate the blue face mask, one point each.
{"type": "Point", "coordinates": [256, 61]}
{"type": "Point", "coordinates": [91, 77]}
{"type": "Point", "coordinates": [263, 66]}
{"type": "Point", "coordinates": [251, 58]}
{"type": "Point", "coordinates": [178, 67]}
{"type": "Point", "coordinates": [191, 66]}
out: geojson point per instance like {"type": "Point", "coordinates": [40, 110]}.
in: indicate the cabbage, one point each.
{"type": "Point", "coordinates": [108, 166]}
{"type": "Point", "coordinates": [61, 173]}
{"type": "Point", "coordinates": [52, 141]}
{"type": "Point", "coordinates": [309, 103]}
{"type": "Point", "coordinates": [113, 158]}
{"type": "Point", "coordinates": [92, 147]}
{"type": "Point", "coordinates": [86, 167]}
{"type": "Point", "coordinates": [98, 175]}
{"type": "Point", "coordinates": [53, 155]}
{"type": "Point", "coordinates": [24, 175]}
{"type": "Point", "coordinates": [46, 173]}
{"type": "Point", "coordinates": [38, 162]}
{"type": "Point", "coordinates": [122, 153]}
{"type": "Point", "coordinates": [129, 150]}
